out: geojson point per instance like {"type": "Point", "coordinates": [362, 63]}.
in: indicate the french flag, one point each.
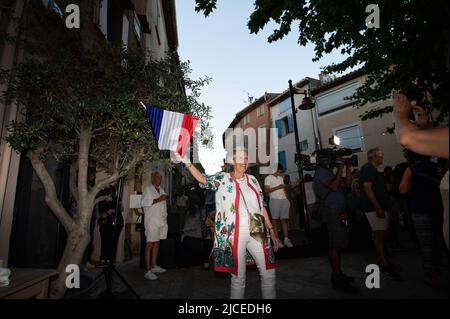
{"type": "Point", "coordinates": [172, 130]}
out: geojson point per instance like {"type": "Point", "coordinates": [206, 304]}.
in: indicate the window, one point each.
{"type": "Point", "coordinates": [350, 137]}
{"type": "Point", "coordinates": [335, 99]}
{"type": "Point", "coordinates": [125, 29]}
{"type": "Point", "coordinates": [260, 111]}
{"type": "Point", "coordinates": [285, 125]}
{"type": "Point", "coordinates": [246, 119]}
{"type": "Point", "coordinates": [282, 159]}
{"type": "Point", "coordinates": [304, 146]}
{"type": "Point", "coordinates": [137, 27]}
{"type": "Point", "coordinates": [285, 105]}
{"type": "Point", "coordinates": [103, 17]}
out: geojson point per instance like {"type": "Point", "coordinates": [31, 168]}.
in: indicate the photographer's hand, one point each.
{"type": "Point", "coordinates": [402, 107]}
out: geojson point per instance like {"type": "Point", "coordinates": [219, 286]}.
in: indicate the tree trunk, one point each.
{"type": "Point", "coordinates": [77, 241]}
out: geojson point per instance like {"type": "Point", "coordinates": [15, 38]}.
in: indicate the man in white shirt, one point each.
{"type": "Point", "coordinates": [279, 204]}
{"type": "Point", "coordinates": [154, 203]}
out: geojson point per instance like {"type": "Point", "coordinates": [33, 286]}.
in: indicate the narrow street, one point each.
{"type": "Point", "coordinates": [297, 278]}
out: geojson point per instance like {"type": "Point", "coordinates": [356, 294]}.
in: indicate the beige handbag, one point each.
{"type": "Point", "coordinates": [257, 225]}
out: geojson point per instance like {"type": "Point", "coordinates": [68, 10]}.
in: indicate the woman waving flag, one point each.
{"type": "Point", "coordinates": [172, 130]}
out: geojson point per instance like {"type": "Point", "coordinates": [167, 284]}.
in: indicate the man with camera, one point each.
{"type": "Point", "coordinates": [329, 188]}
{"type": "Point", "coordinates": [375, 202]}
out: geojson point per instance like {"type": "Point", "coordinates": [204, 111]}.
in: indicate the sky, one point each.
{"type": "Point", "coordinates": [239, 63]}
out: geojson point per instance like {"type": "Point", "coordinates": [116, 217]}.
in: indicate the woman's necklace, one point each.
{"type": "Point", "coordinates": [239, 179]}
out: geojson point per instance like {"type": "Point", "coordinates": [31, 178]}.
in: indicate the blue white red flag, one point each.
{"type": "Point", "coordinates": [172, 130]}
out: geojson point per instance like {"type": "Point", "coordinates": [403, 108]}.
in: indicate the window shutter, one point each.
{"type": "Point", "coordinates": [290, 123]}
{"type": "Point", "coordinates": [279, 129]}
{"type": "Point", "coordinates": [282, 159]}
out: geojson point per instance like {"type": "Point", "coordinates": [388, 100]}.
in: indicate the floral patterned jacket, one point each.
{"type": "Point", "coordinates": [226, 236]}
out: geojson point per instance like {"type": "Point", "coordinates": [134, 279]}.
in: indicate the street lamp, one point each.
{"type": "Point", "coordinates": [307, 104]}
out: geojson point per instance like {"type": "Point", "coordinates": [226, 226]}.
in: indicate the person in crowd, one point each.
{"type": "Point", "coordinates": [376, 203]}
{"type": "Point", "coordinates": [353, 199]}
{"type": "Point", "coordinates": [388, 179]}
{"type": "Point", "coordinates": [154, 204]}
{"type": "Point", "coordinates": [421, 182]}
{"type": "Point", "coordinates": [94, 218]}
{"type": "Point", "coordinates": [428, 141]}
{"type": "Point", "coordinates": [208, 226]}
{"type": "Point", "coordinates": [190, 252]}
{"type": "Point", "coordinates": [279, 203]}
{"type": "Point", "coordinates": [395, 213]}
{"type": "Point", "coordinates": [208, 235]}
{"type": "Point", "coordinates": [310, 196]}
{"type": "Point", "coordinates": [294, 209]}
{"type": "Point", "coordinates": [181, 204]}
{"type": "Point", "coordinates": [239, 203]}
{"type": "Point", "coordinates": [329, 188]}
{"type": "Point", "coordinates": [110, 226]}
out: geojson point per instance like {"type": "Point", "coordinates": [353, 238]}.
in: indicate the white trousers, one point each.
{"type": "Point", "coordinates": [246, 242]}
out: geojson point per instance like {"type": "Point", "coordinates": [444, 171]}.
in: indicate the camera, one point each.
{"type": "Point", "coordinates": [329, 157]}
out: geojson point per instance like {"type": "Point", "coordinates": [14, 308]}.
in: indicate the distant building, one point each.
{"type": "Point", "coordinates": [282, 119]}
{"type": "Point", "coordinates": [35, 238]}
{"type": "Point", "coordinates": [255, 117]}
{"type": "Point", "coordinates": [340, 117]}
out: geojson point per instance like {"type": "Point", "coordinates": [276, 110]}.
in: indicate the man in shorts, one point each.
{"type": "Point", "coordinates": [329, 188]}
{"type": "Point", "coordinates": [279, 204]}
{"type": "Point", "coordinates": [154, 203]}
{"type": "Point", "coordinates": [375, 202]}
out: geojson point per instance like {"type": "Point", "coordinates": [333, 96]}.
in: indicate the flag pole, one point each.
{"type": "Point", "coordinates": [143, 105]}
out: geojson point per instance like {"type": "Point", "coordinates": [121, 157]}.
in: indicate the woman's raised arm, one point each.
{"type": "Point", "coordinates": [191, 168]}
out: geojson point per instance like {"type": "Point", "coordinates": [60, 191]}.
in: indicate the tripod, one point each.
{"type": "Point", "coordinates": [108, 271]}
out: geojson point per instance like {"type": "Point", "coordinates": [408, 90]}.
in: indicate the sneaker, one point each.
{"type": "Point", "coordinates": [157, 270]}
{"type": "Point", "coordinates": [389, 272]}
{"type": "Point", "coordinates": [288, 243]}
{"type": "Point", "coordinates": [206, 266]}
{"type": "Point", "coordinates": [150, 275]}
{"type": "Point", "coordinates": [280, 244]}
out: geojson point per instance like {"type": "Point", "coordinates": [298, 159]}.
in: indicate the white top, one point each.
{"type": "Point", "coordinates": [155, 213]}
{"type": "Point", "coordinates": [250, 198]}
{"type": "Point", "coordinates": [273, 181]}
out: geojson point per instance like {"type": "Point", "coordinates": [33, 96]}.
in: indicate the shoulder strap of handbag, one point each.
{"type": "Point", "coordinates": [242, 194]}
{"type": "Point", "coordinates": [243, 198]}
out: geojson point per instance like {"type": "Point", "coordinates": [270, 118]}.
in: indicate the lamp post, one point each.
{"type": "Point", "coordinates": [306, 105]}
